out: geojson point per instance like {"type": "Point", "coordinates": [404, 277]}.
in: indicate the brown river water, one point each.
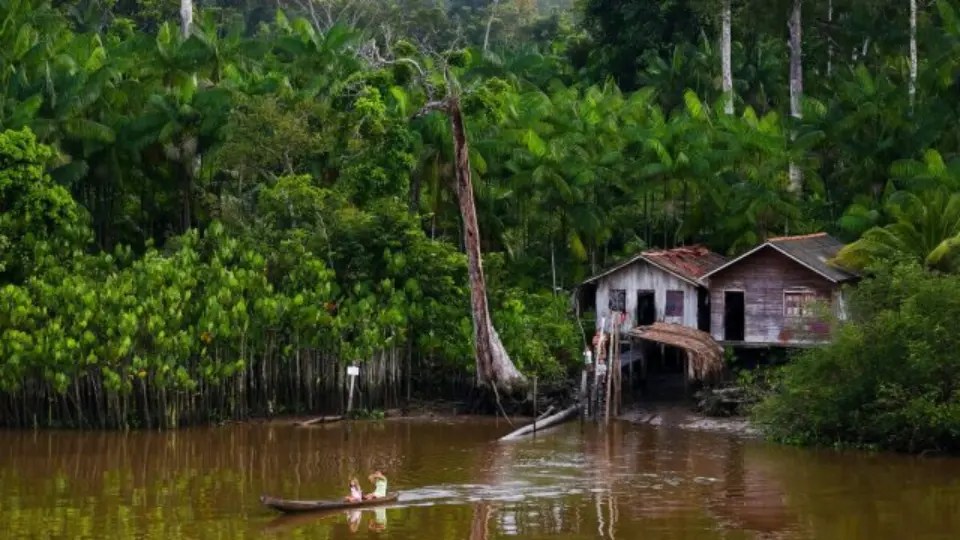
{"type": "Point", "coordinates": [577, 481]}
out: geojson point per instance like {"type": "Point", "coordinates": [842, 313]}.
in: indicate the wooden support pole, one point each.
{"type": "Point", "coordinates": [619, 383]}
{"type": "Point", "coordinates": [583, 392]}
{"type": "Point", "coordinates": [595, 395]}
{"type": "Point", "coordinates": [352, 372]}
{"type": "Point", "coordinates": [593, 391]}
{"type": "Point", "coordinates": [350, 395]}
{"type": "Point", "coordinates": [613, 340]}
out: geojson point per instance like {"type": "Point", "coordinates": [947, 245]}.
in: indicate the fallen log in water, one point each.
{"type": "Point", "coordinates": [320, 420]}
{"type": "Point", "coordinates": [550, 421]}
{"type": "Point", "coordinates": [540, 418]}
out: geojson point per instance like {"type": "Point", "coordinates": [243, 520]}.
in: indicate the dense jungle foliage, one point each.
{"type": "Point", "coordinates": [209, 216]}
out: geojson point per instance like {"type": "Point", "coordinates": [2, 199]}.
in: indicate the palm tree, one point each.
{"type": "Point", "coordinates": [925, 228]}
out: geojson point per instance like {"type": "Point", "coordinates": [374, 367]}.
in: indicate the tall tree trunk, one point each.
{"type": "Point", "coordinates": [912, 89]}
{"type": "Point", "coordinates": [725, 37]}
{"type": "Point", "coordinates": [186, 17]}
{"type": "Point", "coordinates": [486, 34]}
{"type": "Point", "coordinates": [796, 85]}
{"type": "Point", "coordinates": [830, 38]}
{"type": "Point", "coordinates": [493, 365]}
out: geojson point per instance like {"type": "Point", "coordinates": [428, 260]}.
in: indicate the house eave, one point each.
{"type": "Point", "coordinates": [634, 259]}
{"type": "Point", "coordinates": [782, 252]}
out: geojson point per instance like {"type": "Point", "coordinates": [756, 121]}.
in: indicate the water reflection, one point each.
{"type": "Point", "coordinates": [617, 482]}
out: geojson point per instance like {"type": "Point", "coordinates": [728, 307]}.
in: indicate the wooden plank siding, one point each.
{"type": "Point", "coordinates": [764, 277]}
{"type": "Point", "coordinates": [643, 276]}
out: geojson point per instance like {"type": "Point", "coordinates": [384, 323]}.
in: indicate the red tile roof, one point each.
{"type": "Point", "coordinates": [691, 262]}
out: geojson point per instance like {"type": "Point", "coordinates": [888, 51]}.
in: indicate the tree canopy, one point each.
{"type": "Point", "coordinates": [265, 203]}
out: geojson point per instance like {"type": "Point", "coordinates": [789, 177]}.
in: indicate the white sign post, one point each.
{"type": "Point", "coordinates": [352, 372]}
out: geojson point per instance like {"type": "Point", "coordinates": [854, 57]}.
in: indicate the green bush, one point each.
{"type": "Point", "coordinates": [890, 379]}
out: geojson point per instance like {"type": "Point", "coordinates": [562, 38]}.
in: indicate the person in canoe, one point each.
{"type": "Point", "coordinates": [356, 495]}
{"type": "Point", "coordinates": [380, 486]}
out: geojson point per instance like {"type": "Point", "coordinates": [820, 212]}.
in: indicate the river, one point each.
{"type": "Point", "coordinates": [576, 482]}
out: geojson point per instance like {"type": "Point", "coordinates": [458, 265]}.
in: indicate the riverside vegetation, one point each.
{"type": "Point", "coordinates": [208, 211]}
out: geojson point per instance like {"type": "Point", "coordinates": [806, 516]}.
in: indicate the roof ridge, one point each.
{"type": "Point", "coordinates": [797, 237]}
{"type": "Point", "coordinates": [692, 247]}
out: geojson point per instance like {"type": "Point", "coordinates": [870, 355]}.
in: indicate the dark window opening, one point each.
{"type": "Point", "coordinates": [798, 304]}
{"type": "Point", "coordinates": [618, 300]}
{"type": "Point", "coordinates": [674, 307]}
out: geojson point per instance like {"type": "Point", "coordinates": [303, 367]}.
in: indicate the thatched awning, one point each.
{"type": "Point", "coordinates": [705, 354]}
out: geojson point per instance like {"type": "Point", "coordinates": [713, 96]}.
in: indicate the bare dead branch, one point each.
{"type": "Point", "coordinates": [308, 6]}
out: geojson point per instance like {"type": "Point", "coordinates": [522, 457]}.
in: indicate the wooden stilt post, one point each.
{"type": "Point", "coordinates": [617, 389]}
{"type": "Point", "coordinates": [583, 393]}
{"type": "Point", "coordinates": [595, 387]}
{"type": "Point", "coordinates": [587, 362]}
{"type": "Point", "coordinates": [613, 341]}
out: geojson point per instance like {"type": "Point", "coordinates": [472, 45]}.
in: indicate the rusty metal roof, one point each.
{"type": "Point", "coordinates": [689, 263]}
{"type": "Point", "coordinates": [810, 250]}
{"type": "Point", "coordinates": [814, 251]}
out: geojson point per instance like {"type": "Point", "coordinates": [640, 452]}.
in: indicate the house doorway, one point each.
{"type": "Point", "coordinates": [703, 310]}
{"type": "Point", "coordinates": [646, 308]}
{"type": "Point", "coordinates": [652, 353]}
{"type": "Point", "coordinates": [734, 316]}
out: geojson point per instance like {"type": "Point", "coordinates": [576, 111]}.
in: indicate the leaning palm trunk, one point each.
{"type": "Point", "coordinates": [493, 365]}
{"type": "Point", "coordinates": [796, 86]}
{"type": "Point", "coordinates": [725, 38]}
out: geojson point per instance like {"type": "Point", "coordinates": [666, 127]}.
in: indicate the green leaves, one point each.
{"type": "Point", "coordinates": [888, 379]}
{"type": "Point", "coordinates": [88, 129]}
{"type": "Point", "coordinates": [534, 143]}
{"type": "Point", "coordinates": [924, 228]}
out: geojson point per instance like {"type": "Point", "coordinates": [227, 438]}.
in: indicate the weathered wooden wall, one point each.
{"type": "Point", "coordinates": [642, 276]}
{"type": "Point", "coordinates": [763, 277]}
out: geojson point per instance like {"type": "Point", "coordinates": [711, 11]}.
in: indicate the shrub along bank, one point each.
{"type": "Point", "coordinates": [891, 378]}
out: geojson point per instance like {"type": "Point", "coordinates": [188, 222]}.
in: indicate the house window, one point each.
{"type": "Point", "coordinates": [618, 300]}
{"type": "Point", "coordinates": [798, 303]}
{"type": "Point", "coordinates": [674, 306]}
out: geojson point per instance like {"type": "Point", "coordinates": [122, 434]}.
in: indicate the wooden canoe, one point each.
{"type": "Point", "coordinates": [295, 507]}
